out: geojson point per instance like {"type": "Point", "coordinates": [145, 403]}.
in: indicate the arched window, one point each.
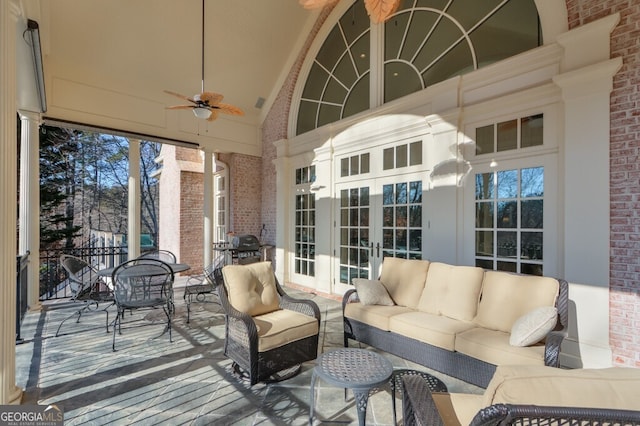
{"type": "Point", "coordinates": [425, 42]}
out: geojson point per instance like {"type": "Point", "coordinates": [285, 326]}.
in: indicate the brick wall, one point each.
{"type": "Point", "coordinates": [624, 322]}
{"type": "Point", "coordinates": [275, 128]}
{"type": "Point", "coordinates": [245, 193]}
{"type": "Point", "coordinates": [191, 219]}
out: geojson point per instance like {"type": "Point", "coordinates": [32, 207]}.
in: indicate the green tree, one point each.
{"type": "Point", "coordinates": [58, 185]}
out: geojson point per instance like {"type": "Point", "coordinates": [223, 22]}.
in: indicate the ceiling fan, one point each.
{"type": "Point", "coordinates": [379, 10]}
{"type": "Point", "coordinates": [205, 105]}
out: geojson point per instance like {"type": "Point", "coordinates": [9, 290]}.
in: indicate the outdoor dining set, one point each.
{"type": "Point", "coordinates": [144, 282]}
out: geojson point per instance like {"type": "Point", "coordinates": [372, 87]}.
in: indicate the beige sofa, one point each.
{"type": "Point", "coordinates": [460, 320]}
{"type": "Point", "coordinates": [531, 395]}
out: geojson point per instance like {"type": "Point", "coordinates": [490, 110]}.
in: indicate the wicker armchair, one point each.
{"type": "Point", "coordinates": [249, 338]}
{"type": "Point", "coordinates": [421, 409]}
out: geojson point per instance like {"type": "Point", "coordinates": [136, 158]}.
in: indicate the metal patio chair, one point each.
{"type": "Point", "coordinates": [163, 255]}
{"type": "Point", "coordinates": [87, 288]}
{"type": "Point", "coordinates": [199, 286]}
{"type": "Point", "coordinates": [141, 284]}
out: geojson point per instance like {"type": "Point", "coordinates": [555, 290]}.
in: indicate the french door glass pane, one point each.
{"type": "Point", "coordinates": [354, 233]}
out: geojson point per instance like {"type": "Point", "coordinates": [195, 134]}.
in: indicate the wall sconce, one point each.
{"type": "Point", "coordinates": [316, 188]}
{"type": "Point", "coordinates": [34, 31]}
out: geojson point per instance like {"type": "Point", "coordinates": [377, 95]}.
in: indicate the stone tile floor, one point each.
{"type": "Point", "coordinates": [150, 381]}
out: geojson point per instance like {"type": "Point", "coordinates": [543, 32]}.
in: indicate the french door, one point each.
{"type": "Point", "coordinates": [376, 219]}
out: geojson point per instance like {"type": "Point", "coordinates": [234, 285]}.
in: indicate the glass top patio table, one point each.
{"type": "Point", "coordinates": [176, 267]}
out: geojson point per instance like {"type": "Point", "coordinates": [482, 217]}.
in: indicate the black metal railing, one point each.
{"type": "Point", "coordinates": [53, 276]}
{"type": "Point", "coordinates": [21, 291]}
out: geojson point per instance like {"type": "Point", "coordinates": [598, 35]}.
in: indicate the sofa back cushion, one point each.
{"type": "Point", "coordinates": [506, 297]}
{"type": "Point", "coordinates": [615, 387]}
{"type": "Point", "coordinates": [452, 291]}
{"type": "Point", "coordinates": [404, 279]}
{"type": "Point", "coordinates": [251, 288]}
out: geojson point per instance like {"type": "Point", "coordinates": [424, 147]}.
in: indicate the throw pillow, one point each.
{"type": "Point", "coordinates": [372, 292]}
{"type": "Point", "coordinates": [533, 326]}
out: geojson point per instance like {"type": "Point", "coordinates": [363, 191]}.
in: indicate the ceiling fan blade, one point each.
{"type": "Point", "coordinates": [180, 107]}
{"type": "Point", "coordinates": [380, 10]}
{"type": "Point", "coordinates": [315, 4]}
{"type": "Point", "coordinates": [178, 95]}
{"type": "Point", "coordinates": [228, 109]}
{"type": "Point", "coordinates": [214, 114]}
{"type": "Point", "coordinates": [211, 98]}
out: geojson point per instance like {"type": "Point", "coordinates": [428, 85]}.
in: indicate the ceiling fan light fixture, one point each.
{"type": "Point", "coordinates": [202, 112]}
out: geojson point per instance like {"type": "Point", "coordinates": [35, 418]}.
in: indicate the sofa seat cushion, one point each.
{"type": "Point", "coordinates": [374, 315]}
{"type": "Point", "coordinates": [493, 347]}
{"type": "Point", "coordinates": [506, 297]}
{"type": "Point", "coordinates": [436, 330]}
{"type": "Point", "coordinates": [615, 388]}
{"type": "Point", "coordinates": [404, 279]}
{"type": "Point", "coordinates": [453, 291]}
{"type": "Point", "coordinates": [283, 326]}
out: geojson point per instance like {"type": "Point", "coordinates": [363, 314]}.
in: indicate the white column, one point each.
{"type": "Point", "coordinates": [586, 82]}
{"type": "Point", "coordinates": [29, 240]}
{"type": "Point", "coordinates": [134, 200]}
{"type": "Point", "coordinates": [9, 392]}
{"type": "Point", "coordinates": [325, 217]}
{"type": "Point", "coordinates": [208, 208]}
{"type": "Point", "coordinates": [283, 188]}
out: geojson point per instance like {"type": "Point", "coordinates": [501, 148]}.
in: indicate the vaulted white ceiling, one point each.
{"type": "Point", "coordinates": [107, 62]}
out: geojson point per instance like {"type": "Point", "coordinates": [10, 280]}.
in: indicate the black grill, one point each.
{"type": "Point", "coordinates": [244, 243]}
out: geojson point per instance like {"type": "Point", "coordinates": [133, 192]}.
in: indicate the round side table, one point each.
{"type": "Point", "coordinates": [357, 369]}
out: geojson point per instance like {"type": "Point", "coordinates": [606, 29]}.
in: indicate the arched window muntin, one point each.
{"type": "Point", "coordinates": [356, 44]}
{"type": "Point", "coordinates": [484, 33]}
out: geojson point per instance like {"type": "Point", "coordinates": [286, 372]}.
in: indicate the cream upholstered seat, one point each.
{"type": "Point", "coordinates": [531, 395]}
{"type": "Point", "coordinates": [267, 332]}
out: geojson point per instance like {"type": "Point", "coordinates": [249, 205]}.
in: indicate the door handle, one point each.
{"type": "Point", "coordinates": [371, 250]}
{"type": "Point", "coordinates": [377, 249]}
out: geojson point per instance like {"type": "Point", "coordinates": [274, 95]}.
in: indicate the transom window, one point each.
{"type": "Point", "coordinates": [402, 156]}
{"type": "Point", "coordinates": [425, 42]}
{"type": "Point", "coordinates": [354, 165]}
{"type": "Point", "coordinates": [509, 135]}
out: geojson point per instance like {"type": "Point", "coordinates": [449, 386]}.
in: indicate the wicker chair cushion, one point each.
{"type": "Point", "coordinates": [372, 292]}
{"type": "Point", "coordinates": [251, 288]}
{"type": "Point", "coordinates": [453, 291]}
{"type": "Point", "coordinates": [458, 408]}
{"type": "Point", "coordinates": [404, 279]}
{"type": "Point", "coordinates": [283, 326]}
{"type": "Point", "coordinates": [533, 326]}
{"type": "Point", "coordinates": [374, 315]}
{"type": "Point", "coordinates": [506, 297]}
{"type": "Point", "coordinates": [493, 346]}
{"type": "Point", "coordinates": [615, 387]}
{"type": "Point", "coordinates": [436, 330]}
